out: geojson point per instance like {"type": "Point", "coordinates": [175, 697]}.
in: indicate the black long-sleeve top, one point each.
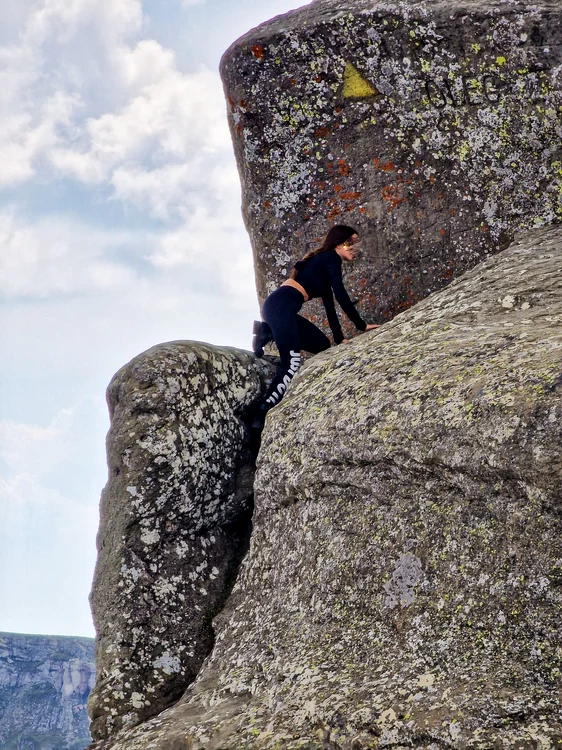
{"type": "Point", "coordinates": [320, 276]}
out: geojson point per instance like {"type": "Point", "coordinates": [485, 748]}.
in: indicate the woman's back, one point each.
{"type": "Point", "coordinates": [318, 273]}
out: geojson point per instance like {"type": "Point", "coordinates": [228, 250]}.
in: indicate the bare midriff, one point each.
{"type": "Point", "coordinates": [296, 285]}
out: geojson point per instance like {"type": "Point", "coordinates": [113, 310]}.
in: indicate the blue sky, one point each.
{"type": "Point", "coordinates": [120, 228]}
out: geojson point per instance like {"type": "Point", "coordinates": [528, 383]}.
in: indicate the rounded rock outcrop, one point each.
{"type": "Point", "coordinates": [175, 523]}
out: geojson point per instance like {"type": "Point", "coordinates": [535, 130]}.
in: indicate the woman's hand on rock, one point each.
{"type": "Point", "coordinates": [371, 326]}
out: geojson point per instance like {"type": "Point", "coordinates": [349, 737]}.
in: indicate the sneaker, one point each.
{"type": "Point", "coordinates": [262, 336]}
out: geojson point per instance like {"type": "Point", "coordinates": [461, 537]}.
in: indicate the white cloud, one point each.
{"type": "Point", "coordinates": [165, 139]}
{"type": "Point", "coordinates": [63, 19]}
{"type": "Point", "coordinates": [163, 147]}
{"type": "Point", "coordinates": [211, 245]}
{"type": "Point", "coordinates": [23, 499]}
{"type": "Point", "coordinates": [32, 450]}
{"type": "Point", "coordinates": [47, 543]}
{"type": "Point", "coordinates": [151, 116]}
{"type": "Point", "coordinates": [59, 256]}
{"type": "Point", "coordinates": [24, 446]}
{"type": "Point", "coordinates": [41, 90]}
{"type": "Point", "coordinates": [49, 490]}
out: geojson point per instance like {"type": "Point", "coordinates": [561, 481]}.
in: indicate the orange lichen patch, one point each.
{"type": "Point", "coordinates": [346, 145]}
{"type": "Point", "coordinates": [386, 167]}
{"type": "Point", "coordinates": [232, 103]}
{"type": "Point", "coordinates": [243, 103]}
{"type": "Point", "coordinates": [452, 212]}
{"type": "Point", "coordinates": [239, 129]}
{"type": "Point", "coordinates": [333, 212]}
{"type": "Point", "coordinates": [293, 81]}
{"type": "Point", "coordinates": [257, 51]}
{"type": "Point", "coordinates": [350, 196]}
{"type": "Point", "coordinates": [392, 195]}
{"type": "Point", "coordinates": [361, 210]}
{"type": "Point", "coordinates": [337, 188]}
{"type": "Point", "coordinates": [266, 204]}
{"type": "Point", "coordinates": [343, 167]}
{"type": "Point", "coordinates": [318, 79]}
{"type": "Point", "coordinates": [321, 132]}
{"type": "Point", "coordinates": [442, 231]}
{"type": "Point", "coordinates": [484, 228]}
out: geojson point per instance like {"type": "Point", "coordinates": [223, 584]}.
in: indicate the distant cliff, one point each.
{"type": "Point", "coordinates": [44, 684]}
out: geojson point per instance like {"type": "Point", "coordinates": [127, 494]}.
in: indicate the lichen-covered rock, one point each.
{"type": "Point", "coordinates": [404, 581]}
{"type": "Point", "coordinates": [433, 127]}
{"type": "Point", "coordinates": [175, 522]}
{"type": "Point", "coordinates": [44, 685]}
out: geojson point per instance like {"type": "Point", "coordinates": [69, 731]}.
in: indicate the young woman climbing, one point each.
{"type": "Point", "coordinates": [318, 274]}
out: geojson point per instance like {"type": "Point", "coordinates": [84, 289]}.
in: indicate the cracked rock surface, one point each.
{"type": "Point", "coordinates": [404, 582]}
{"type": "Point", "coordinates": [175, 523]}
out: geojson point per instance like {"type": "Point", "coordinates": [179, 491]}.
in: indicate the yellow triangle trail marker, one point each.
{"type": "Point", "coordinates": [354, 85]}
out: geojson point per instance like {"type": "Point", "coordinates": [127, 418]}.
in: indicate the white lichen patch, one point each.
{"type": "Point", "coordinates": [168, 663]}
{"type": "Point", "coordinates": [150, 536]}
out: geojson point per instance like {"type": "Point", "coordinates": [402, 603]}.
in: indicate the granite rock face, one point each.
{"type": "Point", "coordinates": [175, 522]}
{"type": "Point", "coordinates": [44, 685]}
{"type": "Point", "coordinates": [434, 128]}
{"type": "Point", "coordinates": [404, 582]}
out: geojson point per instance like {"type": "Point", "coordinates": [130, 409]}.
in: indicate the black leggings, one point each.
{"type": "Point", "coordinates": [291, 333]}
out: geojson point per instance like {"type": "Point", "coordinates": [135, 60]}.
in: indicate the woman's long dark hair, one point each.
{"type": "Point", "coordinates": [336, 236]}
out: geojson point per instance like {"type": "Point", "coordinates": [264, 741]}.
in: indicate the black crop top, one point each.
{"type": "Point", "coordinates": [319, 276]}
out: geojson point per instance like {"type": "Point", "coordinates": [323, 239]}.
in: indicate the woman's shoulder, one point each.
{"type": "Point", "coordinates": [328, 256]}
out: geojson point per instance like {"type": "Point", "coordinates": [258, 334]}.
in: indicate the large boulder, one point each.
{"type": "Point", "coordinates": [433, 127]}
{"type": "Point", "coordinates": [404, 582]}
{"type": "Point", "coordinates": [175, 522]}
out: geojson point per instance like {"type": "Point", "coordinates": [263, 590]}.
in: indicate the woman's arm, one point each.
{"type": "Point", "coordinates": [340, 292]}
{"type": "Point", "coordinates": [331, 314]}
